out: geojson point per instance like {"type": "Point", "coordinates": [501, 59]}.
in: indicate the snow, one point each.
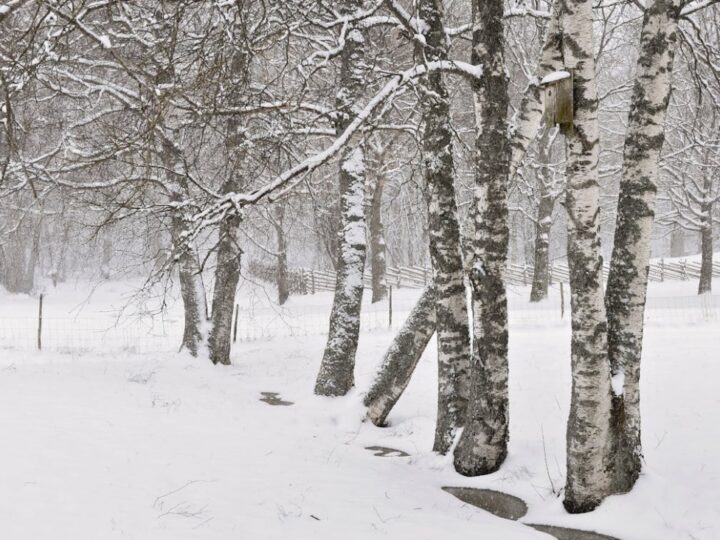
{"type": "Point", "coordinates": [554, 76]}
{"type": "Point", "coordinates": [118, 444]}
{"type": "Point", "coordinates": [105, 42]}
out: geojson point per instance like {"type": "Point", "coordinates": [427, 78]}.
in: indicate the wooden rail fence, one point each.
{"type": "Point", "coordinates": [307, 281]}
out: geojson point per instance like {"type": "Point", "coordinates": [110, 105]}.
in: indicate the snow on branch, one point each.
{"type": "Point", "coordinates": [231, 201]}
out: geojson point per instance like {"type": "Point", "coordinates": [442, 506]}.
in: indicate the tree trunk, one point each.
{"type": "Point", "coordinates": [629, 266]}
{"type": "Point", "coordinates": [229, 252]}
{"type": "Point", "coordinates": [336, 376]}
{"type": "Point", "coordinates": [677, 242]}
{"type": "Point", "coordinates": [281, 275]}
{"type": "Point", "coordinates": [483, 445]}
{"type": "Point", "coordinates": [377, 241]}
{"type": "Point", "coordinates": [227, 275]}
{"type": "Point", "coordinates": [589, 421]}
{"type": "Point", "coordinates": [191, 287]}
{"type": "Point", "coordinates": [401, 358]}
{"type": "Point", "coordinates": [543, 224]}
{"type": "Point", "coordinates": [444, 231]}
{"type": "Point", "coordinates": [706, 242]}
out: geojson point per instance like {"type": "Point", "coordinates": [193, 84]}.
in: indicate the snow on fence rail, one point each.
{"type": "Point", "coordinates": [307, 281]}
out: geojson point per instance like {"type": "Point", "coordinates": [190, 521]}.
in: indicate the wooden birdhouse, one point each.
{"type": "Point", "coordinates": [558, 97]}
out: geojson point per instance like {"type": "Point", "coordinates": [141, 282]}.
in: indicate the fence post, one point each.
{"type": "Point", "coordinates": [39, 335]}
{"type": "Point", "coordinates": [237, 315]}
{"type": "Point", "coordinates": [562, 300]}
{"type": "Point", "coordinates": [312, 281]}
{"type": "Point", "coordinates": [662, 270]}
{"type": "Point", "coordinates": [390, 308]}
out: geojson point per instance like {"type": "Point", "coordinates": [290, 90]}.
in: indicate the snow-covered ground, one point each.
{"type": "Point", "coordinates": [121, 437]}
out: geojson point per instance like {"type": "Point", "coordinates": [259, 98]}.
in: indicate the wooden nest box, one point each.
{"type": "Point", "coordinates": [558, 98]}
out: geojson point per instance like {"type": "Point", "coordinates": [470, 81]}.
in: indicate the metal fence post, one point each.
{"type": "Point", "coordinates": [39, 333]}
{"type": "Point", "coordinates": [390, 308]}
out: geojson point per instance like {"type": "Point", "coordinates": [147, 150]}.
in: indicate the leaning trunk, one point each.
{"type": "Point", "coordinates": [588, 424]}
{"type": "Point", "coordinates": [401, 358]}
{"type": "Point", "coordinates": [336, 376]}
{"type": "Point", "coordinates": [483, 445]}
{"type": "Point", "coordinates": [628, 276]}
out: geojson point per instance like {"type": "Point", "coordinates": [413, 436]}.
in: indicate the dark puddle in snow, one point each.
{"type": "Point", "coordinates": [273, 398]}
{"type": "Point", "coordinates": [384, 451]}
{"type": "Point", "coordinates": [500, 504]}
{"type": "Point", "coordinates": [561, 533]}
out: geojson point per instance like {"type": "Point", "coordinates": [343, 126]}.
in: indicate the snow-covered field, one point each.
{"type": "Point", "coordinates": [118, 436]}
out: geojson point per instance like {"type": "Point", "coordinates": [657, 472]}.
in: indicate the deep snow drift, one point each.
{"type": "Point", "coordinates": [111, 443]}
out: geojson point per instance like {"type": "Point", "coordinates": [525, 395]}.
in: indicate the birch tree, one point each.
{"type": "Point", "coordinates": [589, 421]}
{"type": "Point", "coordinates": [336, 376]}
{"type": "Point", "coordinates": [628, 277]}
{"type": "Point", "coordinates": [483, 445]}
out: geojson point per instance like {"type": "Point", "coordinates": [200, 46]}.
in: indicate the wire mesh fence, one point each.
{"type": "Point", "coordinates": [164, 334]}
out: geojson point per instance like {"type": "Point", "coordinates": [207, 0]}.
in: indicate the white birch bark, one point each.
{"type": "Point", "coordinates": [444, 232]}
{"type": "Point", "coordinates": [628, 277]}
{"type": "Point", "coordinates": [401, 358]}
{"type": "Point", "coordinates": [589, 421]}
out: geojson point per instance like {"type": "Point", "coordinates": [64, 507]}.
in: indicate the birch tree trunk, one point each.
{"type": "Point", "coordinates": [336, 376]}
{"type": "Point", "coordinates": [483, 445]}
{"type": "Point", "coordinates": [543, 224]}
{"type": "Point", "coordinates": [444, 231]}
{"type": "Point", "coordinates": [191, 287]}
{"type": "Point", "coordinates": [401, 358]}
{"type": "Point", "coordinates": [589, 421]}
{"type": "Point", "coordinates": [628, 277]}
